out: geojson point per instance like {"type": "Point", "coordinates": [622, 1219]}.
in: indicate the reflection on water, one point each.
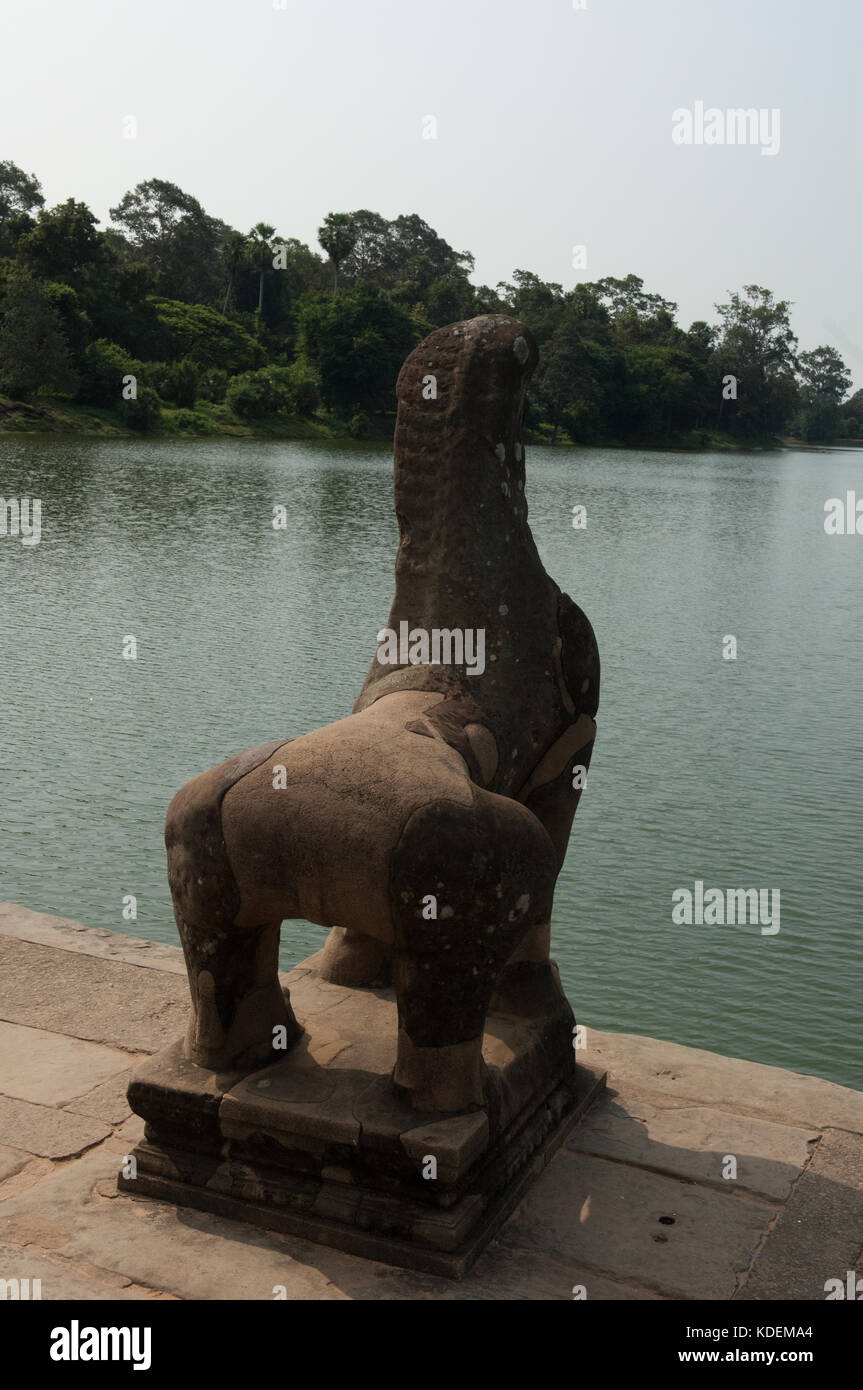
{"type": "Point", "coordinates": [741, 774]}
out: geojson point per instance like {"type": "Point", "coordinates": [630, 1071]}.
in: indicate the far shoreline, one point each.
{"type": "Point", "coordinates": [67, 420]}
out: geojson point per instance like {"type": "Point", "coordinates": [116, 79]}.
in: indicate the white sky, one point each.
{"type": "Point", "coordinates": [554, 129]}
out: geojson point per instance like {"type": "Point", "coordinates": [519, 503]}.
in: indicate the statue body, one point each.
{"type": "Point", "coordinates": [427, 828]}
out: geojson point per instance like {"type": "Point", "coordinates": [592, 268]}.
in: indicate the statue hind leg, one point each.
{"type": "Point", "coordinates": [237, 1002]}
{"type": "Point", "coordinates": [487, 873]}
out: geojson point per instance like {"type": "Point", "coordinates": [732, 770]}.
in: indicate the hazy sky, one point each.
{"type": "Point", "coordinates": [554, 129]}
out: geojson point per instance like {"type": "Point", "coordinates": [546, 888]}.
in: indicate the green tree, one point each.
{"type": "Point", "coordinates": [411, 236]}
{"type": "Point", "coordinates": [758, 348]}
{"type": "Point", "coordinates": [65, 244]}
{"type": "Point", "coordinates": [260, 243]}
{"type": "Point", "coordinates": [405, 256]}
{"type": "Point", "coordinates": [627, 297]}
{"type": "Point", "coordinates": [118, 302]}
{"type": "Point", "coordinates": [176, 382]}
{"type": "Point", "coordinates": [171, 233]}
{"type": "Point", "coordinates": [300, 271]}
{"type": "Point", "coordinates": [579, 376]}
{"type": "Point", "coordinates": [202, 334]}
{"type": "Point", "coordinates": [357, 341]}
{"type": "Point", "coordinates": [19, 192]}
{"type": "Point", "coordinates": [34, 354]}
{"type": "Point", "coordinates": [851, 416]}
{"type": "Point", "coordinates": [372, 257]}
{"type": "Point", "coordinates": [699, 343]}
{"type": "Point", "coordinates": [658, 392]}
{"type": "Point", "coordinates": [103, 370]}
{"type": "Point", "coordinates": [538, 303]}
{"type": "Point", "coordinates": [338, 238]}
{"type": "Point", "coordinates": [235, 248]}
{"type": "Point", "coordinates": [488, 300]}
{"type": "Point", "coordinates": [825, 381]}
{"type": "Point", "coordinates": [271, 391]}
{"type": "Point", "coordinates": [74, 321]}
{"type": "Point", "coordinates": [450, 299]}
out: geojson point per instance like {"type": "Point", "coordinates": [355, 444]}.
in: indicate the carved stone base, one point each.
{"type": "Point", "coordinates": [320, 1145]}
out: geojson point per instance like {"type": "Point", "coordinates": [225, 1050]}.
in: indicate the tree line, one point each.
{"type": "Point", "coordinates": [258, 325]}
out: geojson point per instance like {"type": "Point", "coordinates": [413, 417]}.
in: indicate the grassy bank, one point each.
{"type": "Point", "coordinates": [205, 420]}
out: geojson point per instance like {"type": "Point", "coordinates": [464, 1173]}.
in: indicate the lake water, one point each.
{"type": "Point", "coordinates": [741, 773]}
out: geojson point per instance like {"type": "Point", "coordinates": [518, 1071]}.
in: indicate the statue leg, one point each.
{"type": "Point", "coordinates": [468, 883]}
{"type": "Point", "coordinates": [439, 1003]}
{"type": "Point", "coordinates": [240, 1015]}
{"type": "Point", "coordinates": [529, 984]}
{"type": "Point", "coordinates": [239, 1008]}
{"type": "Point", "coordinates": [351, 958]}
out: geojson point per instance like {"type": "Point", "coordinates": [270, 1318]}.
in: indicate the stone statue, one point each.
{"type": "Point", "coordinates": [428, 827]}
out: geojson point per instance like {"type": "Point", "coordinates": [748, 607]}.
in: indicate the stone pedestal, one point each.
{"type": "Point", "coordinates": [320, 1144]}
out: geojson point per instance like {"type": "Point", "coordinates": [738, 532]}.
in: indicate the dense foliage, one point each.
{"type": "Point", "coordinates": [170, 307]}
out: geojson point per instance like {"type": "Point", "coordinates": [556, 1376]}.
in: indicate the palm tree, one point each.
{"type": "Point", "coordinates": [338, 238]}
{"type": "Point", "coordinates": [233, 251]}
{"type": "Point", "coordinates": [260, 238]}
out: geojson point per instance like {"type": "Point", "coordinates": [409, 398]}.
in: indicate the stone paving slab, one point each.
{"type": "Point", "coordinates": [33, 1171]}
{"type": "Point", "coordinates": [186, 1253]}
{"type": "Point", "coordinates": [729, 1083]}
{"type": "Point", "coordinates": [11, 1161]}
{"type": "Point", "coordinates": [52, 1069]}
{"type": "Point", "coordinates": [679, 1239]}
{"type": "Point", "coordinates": [819, 1235]}
{"type": "Point", "coordinates": [106, 1101]}
{"type": "Point", "coordinates": [696, 1142]}
{"type": "Point", "coordinates": [126, 1135]}
{"type": "Point", "coordinates": [44, 929]}
{"type": "Point", "coordinates": [90, 997]}
{"type": "Point", "coordinates": [59, 1280]}
{"type": "Point", "coordinates": [46, 1131]}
